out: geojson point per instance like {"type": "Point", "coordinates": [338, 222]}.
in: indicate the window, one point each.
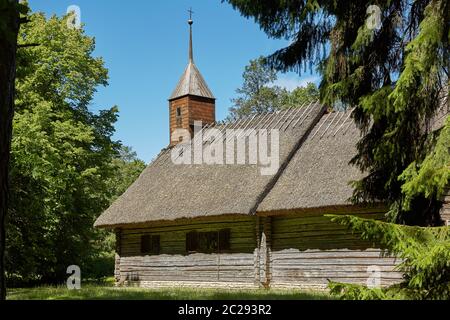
{"type": "Point", "coordinates": [150, 244]}
{"type": "Point", "coordinates": [208, 242]}
{"type": "Point", "coordinates": [178, 117]}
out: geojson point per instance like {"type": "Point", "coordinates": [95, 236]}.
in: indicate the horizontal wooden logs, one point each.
{"type": "Point", "coordinates": [175, 264]}
{"type": "Point", "coordinates": [304, 250]}
{"type": "Point", "coordinates": [310, 250]}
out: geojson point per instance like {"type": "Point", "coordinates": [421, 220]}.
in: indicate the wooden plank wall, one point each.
{"type": "Point", "coordinates": [303, 250]}
{"type": "Point", "coordinates": [174, 264]}
{"type": "Point", "coordinates": [308, 249]}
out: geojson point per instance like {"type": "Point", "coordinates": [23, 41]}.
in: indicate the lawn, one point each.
{"type": "Point", "coordinates": [105, 292]}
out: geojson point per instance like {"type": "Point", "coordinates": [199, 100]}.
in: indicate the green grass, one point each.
{"type": "Point", "coordinates": [105, 292]}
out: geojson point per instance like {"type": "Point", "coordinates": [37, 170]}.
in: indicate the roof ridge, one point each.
{"type": "Point", "coordinates": [272, 182]}
{"type": "Point", "coordinates": [278, 119]}
{"type": "Point", "coordinates": [323, 161]}
{"type": "Point", "coordinates": [332, 122]}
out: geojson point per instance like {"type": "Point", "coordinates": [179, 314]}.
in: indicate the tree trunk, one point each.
{"type": "Point", "coordinates": [8, 47]}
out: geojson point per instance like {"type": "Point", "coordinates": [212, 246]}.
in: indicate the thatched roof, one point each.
{"type": "Point", "coordinates": [314, 173]}
{"type": "Point", "coordinates": [166, 191]}
{"type": "Point", "coordinates": [319, 173]}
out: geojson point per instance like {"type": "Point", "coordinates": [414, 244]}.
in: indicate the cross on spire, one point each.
{"type": "Point", "coordinates": [190, 13]}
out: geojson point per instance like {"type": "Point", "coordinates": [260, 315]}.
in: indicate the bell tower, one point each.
{"type": "Point", "coordinates": [191, 100]}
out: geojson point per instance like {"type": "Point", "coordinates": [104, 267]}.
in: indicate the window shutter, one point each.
{"type": "Point", "coordinates": [156, 244]}
{"type": "Point", "coordinates": [191, 241]}
{"type": "Point", "coordinates": [224, 239]}
{"type": "Point", "coordinates": [211, 244]}
{"type": "Point", "coordinates": [145, 243]}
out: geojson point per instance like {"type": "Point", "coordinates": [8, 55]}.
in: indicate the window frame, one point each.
{"type": "Point", "coordinates": [152, 246]}
{"type": "Point", "coordinates": [203, 241]}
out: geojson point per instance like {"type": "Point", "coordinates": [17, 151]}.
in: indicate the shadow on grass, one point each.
{"type": "Point", "coordinates": [96, 292]}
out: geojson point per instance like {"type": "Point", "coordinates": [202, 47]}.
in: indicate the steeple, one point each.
{"type": "Point", "coordinates": [191, 82]}
{"type": "Point", "coordinates": [191, 100]}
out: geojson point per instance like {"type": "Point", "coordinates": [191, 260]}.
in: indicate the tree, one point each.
{"type": "Point", "coordinates": [9, 28]}
{"type": "Point", "coordinates": [390, 62]}
{"type": "Point", "coordinates": [258, 94]}
{"type": "Point", "coordinates": [301, 95]}
{"type": "Point", "coordinates": [128, 167]}
{"type": "Point", "coordinates": [62, 154]}
{"type": "Point", "coordinates": [424, 255]}
{"type": "Point", "coordinates": [255, 95]}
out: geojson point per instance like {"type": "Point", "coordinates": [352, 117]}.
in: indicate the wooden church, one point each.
{"type": "Point", "coordinates": [230, 226]}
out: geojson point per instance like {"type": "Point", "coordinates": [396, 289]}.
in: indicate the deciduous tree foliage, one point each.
{"type": "Point", "coordinates": [302, 95]}
{"type": "Point", "coordinates": [127, 167]}
{"type": "Point", "coordinates": [63, 157]}
{"type": "Point", "coordinates": [394, 72]}
{"type": "Point", "coordinates": [259, 94]}
{"type": "Point", "coordinates": [9, 26]}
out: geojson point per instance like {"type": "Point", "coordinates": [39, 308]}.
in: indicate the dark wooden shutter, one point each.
{"type": "Point", "coordinates": [202, 241]}
{"type": "Point", "coordinates": [224, 239]}
{"type": "Point", "coordinates": [156, 244]}
{"type": "Point", "coordinates": [145, 243]}
{"type": "Point", "coordinates": [211, 243]}
{"type": "Point", "coordinates": [191, 241]}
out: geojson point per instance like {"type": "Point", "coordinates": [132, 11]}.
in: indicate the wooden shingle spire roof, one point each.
{"type": "Point", "coordinates": [192, 81]}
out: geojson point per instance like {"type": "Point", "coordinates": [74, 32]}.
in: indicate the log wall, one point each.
{"type": "Point", "coordinates": [303, 250]}
{"type": "Point", "coordinates": [308, 250]}
{"type": "Point", "coordinates": [174, 264]}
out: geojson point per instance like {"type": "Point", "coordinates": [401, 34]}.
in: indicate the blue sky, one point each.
{"type": "Point", "coordinates": [145, 47]}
